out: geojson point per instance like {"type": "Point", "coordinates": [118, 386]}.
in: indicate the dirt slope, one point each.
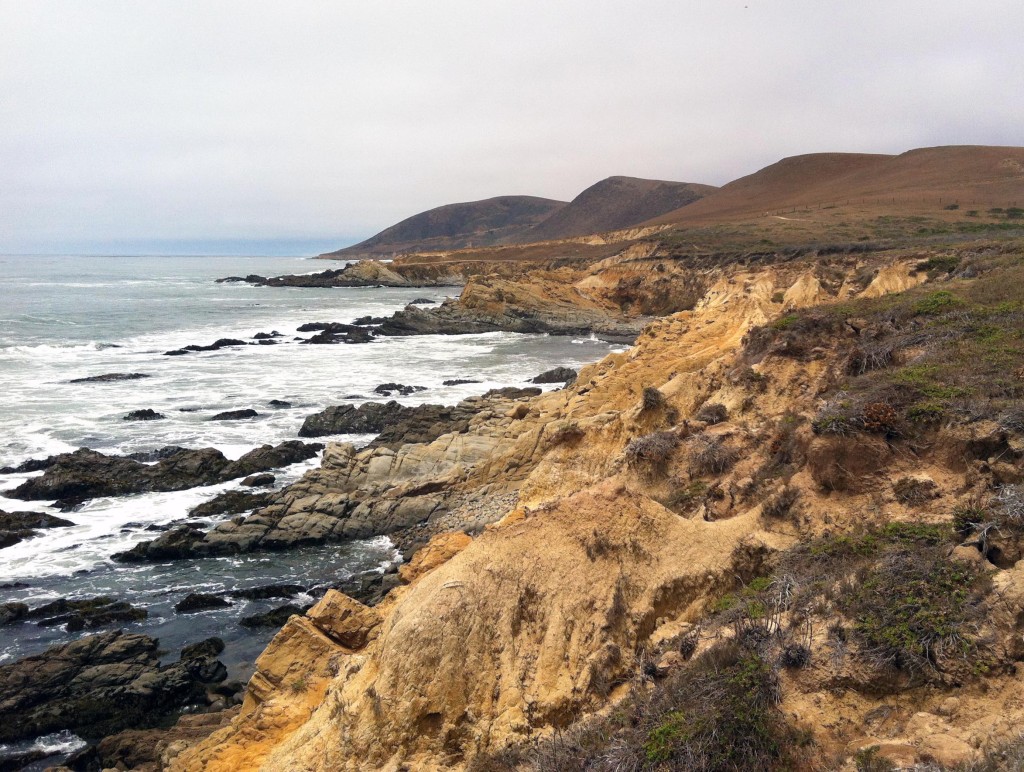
{"type": "Point", "coordinates": [973, 174]}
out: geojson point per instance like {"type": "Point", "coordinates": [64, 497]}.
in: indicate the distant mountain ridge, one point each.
{"type": "Point", "coordinates": [616, 203]}
{"type": "Point", "coordinates": [956, 172]}
{"type": "Point", "coordinates": [455, 226]}
{"type": "Point", "coordinates": [611, 204]}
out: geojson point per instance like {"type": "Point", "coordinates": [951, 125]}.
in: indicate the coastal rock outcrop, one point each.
{"type": "Point", "coordinates": [99, 685]}
{"type": "Point", "coordinates": [85, 614]}
{"type": "Point", "coordinates": [556, 375]}
{"type": "Point", "coordinates": [405, 477]}
{"type": "Point", "coordinates": [86, 474]}
{"type": "Point", "coordinates": [109, 377]}
{"type": "Point", "coordinates": [368, 418]}
{"type": "Point", "coordinates": [16, 526]}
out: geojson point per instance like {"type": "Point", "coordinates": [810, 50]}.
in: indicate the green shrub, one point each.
{"type": "Point", "coordinates": [937, 302]}
{"type": "Point", "coordinates": [916, 610]}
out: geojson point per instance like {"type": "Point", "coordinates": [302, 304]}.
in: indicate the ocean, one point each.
{"type": "Point", "coordinates": [69, 317]}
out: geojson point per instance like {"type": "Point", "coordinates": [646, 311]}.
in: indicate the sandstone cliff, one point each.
{"type": "Point", "coordinates": [667, 478]}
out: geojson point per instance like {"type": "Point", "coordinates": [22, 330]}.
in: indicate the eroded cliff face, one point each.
{"type": "Point", "coordinates": [613, 546]}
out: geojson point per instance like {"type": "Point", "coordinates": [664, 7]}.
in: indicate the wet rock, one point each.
{"type": "Point", "coordinates": [85, 614]}
{"type": "Point", "coordinates": [422, 302]}
{"type": "Point", "coordinates": [206, 649]}
{"type": "Point", "coordinates": [148, 456]}
{"type": "Point", "coordinates": [556, 375]}
{"type": "Point", "coordinates": [96, 686]}
{"type": "Point", "coordinates": [198, 601]}
{"type": "Point", "coordinates": [474, 314]}
{"type": "Point", "coordinates": [425, 423]}
{"type": "Point", "coordinates": [279, 404]}
{"type": "Point", "coordinates": [12, 612]}
{"type": "Point", "coordinates": [215, 346]}
{"type": "Point", "coordinates": [17, 526]}
{"type": "Point", "coordinates": [457, 382]}
{"type": "Point", "coordinates": [267, 335]}
{"type": "Point", "coordinates": [108, 377]}
{"type": "Point", "coordinates": [259, 480]}
{"type": "Point", "coordinates": [336, 332]}
{"type": "Point", "coordinates": [146, 750]}
{"type": "Point", "coordinates": [86, 474]}
{"type": "Point", "coordinates": [367, 320]}
{"type": "Point", "coordinates": [176, 544]}
{"type": "Point", "coordinates": [271, 457]}
{"type": "Point", "coordinates": [387, 389]}
{"type": "Point", "coordinates": [273, 618]}
{"type": "Point", "coordinates": [368, 418]}
{"type": "Point", "coordinates": [363, 273]}
{"type": "Point", "coordinates": [230, 503]}
{"type": "Point", "coordinates": [235, 415]}
{"type": "Point", "coordinates": [511, 392]}
{"type": "Point", "coordinates": [269, 591]}
{"type": "Point", "coordinates": [32, 465]}
{"type": "Point", "coordinates": [146, 414]}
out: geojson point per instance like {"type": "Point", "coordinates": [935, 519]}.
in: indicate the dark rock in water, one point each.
{"type": "Point", "coordinates": [266, 342]}
{"type": "Point", "coordinates": [336, 332]}
{"type": "Point", "coordinates": [366, 320]}
{"type": "Point", "coordinates": [17, 526]}
{"type": "Point", "coordinates": [557, 375]}
{"type": "Point", "coordinates": [280, 404]}
{"type": "Point", "coordinates": [230, 503]}
{"type": "Point", "coordinates": [511, 392]}
{"type": "Point", "coordinates": [83, 614]}
{"type": "Point", "coordinates": [107, 377]}
{"type": "Point", "coordinates": [269, 591]}
{"type": "Point", "coordinates": [146, 414]}
{"type": "Point", "coordinates": [160, 454]}
{"type": "Point", "coordinates": [197, 601]}
{"type": "Point", "coordinates": [259, 480]}
{"type": "Point", "coordinates": [387, 389]}
{"type": "Point", "coordinates": [207, 649]}
{"type": "Point", "coordinates": [12, 612]}
{"type": "Point", "coordinates": [99, 685]}
{"type": "Point", "coordinates": [16, 761]}
{"type": "Point", "coordinates": [274, 618]}
{"type": "Point", "coordinates": [32, 465]}
{"type": "Point", "coordinates": [142, 749]}
{"type": "Point", "coordinates": [368, 418]}
{"type": "Point", "coordinates": [9, 538]}
{"type": "Point", "coordinates": [268, 457]}
{"type": "Point", "coordinates": [215, 346]}
{"type": "Point", "coordinates": [86, 474]}
{"type": "Point", "coordinates": [425, 423]}
{"type": "Point", "coordinates": [267, 335]}
{"type": "Point", "coordinates": [235, 415]}
{"type": "Point", "coordinates": [175, 544]}
{"type": "Point", "coordinates": [457, 382]}
{"type": "Point", "coordinates": [422, 302]}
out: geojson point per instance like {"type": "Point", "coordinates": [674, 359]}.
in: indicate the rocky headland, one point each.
{"type": "Point", "coordinates": [782, 530]}
{"type": "Point", "coordinates": [651, 514]}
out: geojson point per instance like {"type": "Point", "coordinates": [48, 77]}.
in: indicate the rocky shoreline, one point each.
{"type": "Point", "coordinates": [418, 447]}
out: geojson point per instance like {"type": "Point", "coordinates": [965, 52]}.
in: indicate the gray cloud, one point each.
{"type": "Point", "coordinates": [124, 121]}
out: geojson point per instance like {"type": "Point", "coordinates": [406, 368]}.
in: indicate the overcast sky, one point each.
{"type": "Point", "coordinates": [126, 124]}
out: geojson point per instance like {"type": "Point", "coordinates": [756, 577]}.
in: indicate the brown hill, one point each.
{"type": "Point", "coordinates": [616, 203]}
{"type": "Point", "coordinates": [455, 226]}
{"type": "Point", "coordinates": [973, 174]}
